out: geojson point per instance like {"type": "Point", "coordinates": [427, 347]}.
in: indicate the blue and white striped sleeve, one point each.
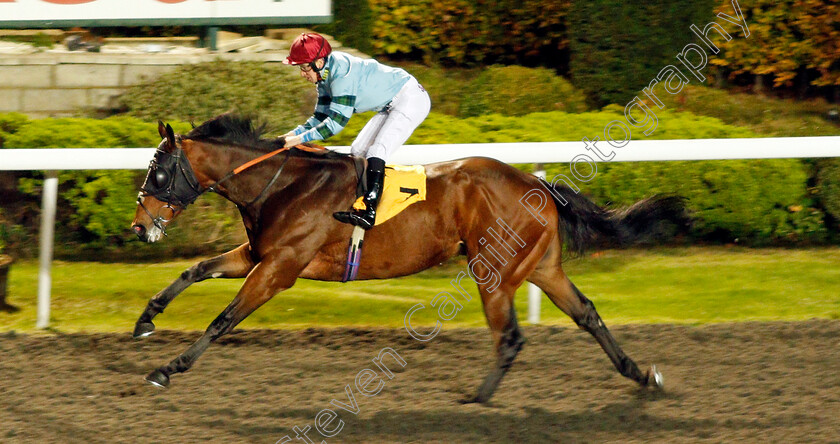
{"type": "Point", "coordinates": [338, 112]}
{"type": "Point", "coordinates": [320, 114]}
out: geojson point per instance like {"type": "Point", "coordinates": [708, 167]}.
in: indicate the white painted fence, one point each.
{"type": "Point", "coordinates": [53, 160]}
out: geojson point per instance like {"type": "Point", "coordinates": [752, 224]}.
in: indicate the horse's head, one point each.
{"type": "Point", "coordinates": [169, 187]}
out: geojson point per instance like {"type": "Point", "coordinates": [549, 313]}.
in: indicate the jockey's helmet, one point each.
{"type": "Point", "coordinates": [307, 48]}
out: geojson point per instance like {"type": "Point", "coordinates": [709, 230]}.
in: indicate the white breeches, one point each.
{"type": "Point", "coordinates": [391, 127]}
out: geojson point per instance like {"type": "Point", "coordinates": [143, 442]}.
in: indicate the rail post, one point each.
{"type": "Point", "coordinates": [534, 292]}
{"type": "Point", "coordinates": [49, 201]}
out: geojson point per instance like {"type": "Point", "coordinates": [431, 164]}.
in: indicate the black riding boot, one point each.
{"type": "Point", "coordinates": [375, 179]}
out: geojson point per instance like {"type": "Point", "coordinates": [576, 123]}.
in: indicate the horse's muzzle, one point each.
{"type": "Point", "coordinates": [150, 235]}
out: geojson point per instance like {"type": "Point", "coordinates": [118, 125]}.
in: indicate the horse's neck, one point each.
{"type": "Point", "coordinates": [241, 189]}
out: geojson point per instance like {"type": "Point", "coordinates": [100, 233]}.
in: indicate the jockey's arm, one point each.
{"type": "Point", "coordinates": [335, 121]}
{"type": "Point", "coordinates": [318, 116]}
{"type": "Point", "coordinates": [340, 109]}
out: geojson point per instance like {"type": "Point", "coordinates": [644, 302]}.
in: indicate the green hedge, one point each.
{"type": "Point", "coordinates": [472, 32]}
{"type": "Point", "coordinates": [828, 187]}
{"type": "Point", "coordinates": [352, 24]}
{"type": "Point", "coordinates": [749, 201]}
{"type": "Point", "coordinates": [3, 235]}
{"type": "Point", "coordinates": [517, 91]}
{"type": "Point", "coordinates": [278, 94]}
{"type": "Point", "coordinates": [611, 48]}
{"type": "Point", "coordinates": [619, 46]}
{"type": "Point", "coordinates": [96, 207]}
{"type": "Point", "coordinates": [100, 199]}
{"type": "Point", "coordinates": [198, 92]}
{"type": "Point", "coordinates": [547, 127]}
{"type": "Point", "coordinates": [754, 201]}
{"type": "Point", "coordinates": [9, 123]}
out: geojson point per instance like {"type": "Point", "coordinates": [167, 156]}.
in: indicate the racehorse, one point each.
{"type": "Point", "coordinates": [286, 200]}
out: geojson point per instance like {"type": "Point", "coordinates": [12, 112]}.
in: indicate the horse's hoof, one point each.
{"type": "Point", "coordinates": [158, 379]}
{"type": "Point", "coordinates": [143, 329]}
{"type": "Point", "coordinates": [476, 399]}
{"type": "Point", "coordinates": [655, 378]}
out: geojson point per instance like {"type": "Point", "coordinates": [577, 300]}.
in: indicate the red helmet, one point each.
{"type": "Point", "coordinates": [307, 48]}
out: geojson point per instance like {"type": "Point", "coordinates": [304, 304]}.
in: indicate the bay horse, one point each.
{"type": "Point", "coordinates": [287, 200]}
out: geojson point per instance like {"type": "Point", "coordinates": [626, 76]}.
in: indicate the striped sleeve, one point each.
{"type": "Point", "coordinates": [337, 115]}
{"type": "Point", "coordinates": [320, 114]}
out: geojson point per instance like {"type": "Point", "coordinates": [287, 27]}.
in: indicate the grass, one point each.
{"type": "Point", "coordinates": [666, 285]}
{"type": "Point", "coordinates": [39, 40]}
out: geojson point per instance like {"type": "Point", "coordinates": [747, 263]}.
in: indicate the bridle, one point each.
{"type": "Point", "coordinates": [172, 180]}
{"type": "Point", "coordinates": [158, 221]}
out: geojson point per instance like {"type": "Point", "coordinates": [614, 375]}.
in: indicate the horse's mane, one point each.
{"type": "Point", "coordinates": [234, 129]}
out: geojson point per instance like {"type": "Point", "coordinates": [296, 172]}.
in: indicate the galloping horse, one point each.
{"type": "Point", "coordinates": [287, 200]}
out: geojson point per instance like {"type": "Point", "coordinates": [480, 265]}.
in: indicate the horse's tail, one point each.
{"type": "Point", "coordinates": [585, 224]}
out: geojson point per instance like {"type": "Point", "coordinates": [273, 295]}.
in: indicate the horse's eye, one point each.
{"type": "Point", "coordinates": [161, 178]}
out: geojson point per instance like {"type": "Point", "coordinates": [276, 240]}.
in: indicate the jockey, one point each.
{"type": "Point", "coordinates": [348, 85]}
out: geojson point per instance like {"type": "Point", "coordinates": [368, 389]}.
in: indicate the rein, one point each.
{"type": "Point", "coordinates": [264, 157]}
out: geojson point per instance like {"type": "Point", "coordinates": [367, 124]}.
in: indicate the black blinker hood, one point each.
{"type": "Point", "coordinates": [171, 179]}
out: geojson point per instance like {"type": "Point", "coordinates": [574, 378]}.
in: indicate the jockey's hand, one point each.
{"type": "Point", "coordinates": [292, 140]}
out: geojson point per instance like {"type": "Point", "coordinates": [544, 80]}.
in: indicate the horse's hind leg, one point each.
{"type": "Point", "coordinates": [571, 301]}
{"type": "Point", "coordinates": [233, 264]}
{"type": "Point", "coordinates": [507, 338]}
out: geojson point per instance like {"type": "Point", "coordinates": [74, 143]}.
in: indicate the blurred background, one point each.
{"type": "Point", "coordinates": [763, 248]}
{"type": "Point", "coordinates": [500, 72]}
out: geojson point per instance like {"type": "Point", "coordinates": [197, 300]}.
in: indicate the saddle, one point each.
{"type": "Point", "coordinates": [403, 186]}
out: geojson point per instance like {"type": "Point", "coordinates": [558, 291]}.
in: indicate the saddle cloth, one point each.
{"type": "Point", "coordinates": [403, 186]}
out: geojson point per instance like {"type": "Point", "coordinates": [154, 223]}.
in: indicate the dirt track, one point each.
{"type": "Point", "coordinates": [767, 382]}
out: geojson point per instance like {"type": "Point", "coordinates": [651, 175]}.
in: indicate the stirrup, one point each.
{"type": "Point", "coordinates": [360, 219]}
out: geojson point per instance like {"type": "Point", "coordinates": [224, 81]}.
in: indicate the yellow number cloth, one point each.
{"type": "Point", "coordinates": [404, 185]}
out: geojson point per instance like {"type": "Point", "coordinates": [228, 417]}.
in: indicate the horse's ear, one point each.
{"type": "Point", "coordinates": [161, 130]}
{"type": "Point", "coordinates": [170, 137]}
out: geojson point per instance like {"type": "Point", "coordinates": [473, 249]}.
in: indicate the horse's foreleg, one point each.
{"type": "Point", "coordinates": [568, 298]}
{"type": "Point", "coordinates": [233, 264]}
{"type": "Point", "coordinates": [266, 280]}
{"type": "Point", "coordinates": [507, 338]}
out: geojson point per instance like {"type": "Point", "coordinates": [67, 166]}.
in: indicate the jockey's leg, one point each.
{"type": "Point", "coordinates": [359, 148]}
{"type": "Point", "coordinates": [375, 174]}
{"type": "Point", "coordinates": [405, 113]}
{"type": "Point", "coordinates": [408, 109]}
{"type": "Point", "coordinates": [367, 135]}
